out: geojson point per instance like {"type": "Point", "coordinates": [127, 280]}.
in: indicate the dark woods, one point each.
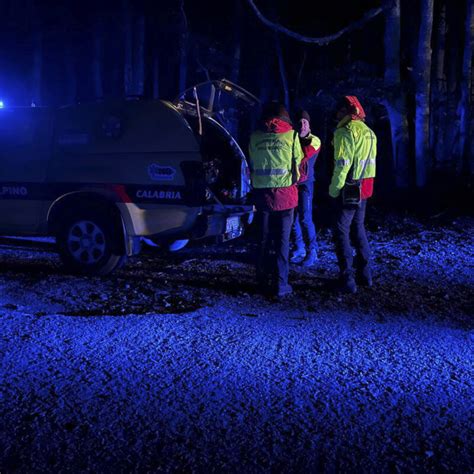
{"type": "Point", "coordinates": [410, 63]}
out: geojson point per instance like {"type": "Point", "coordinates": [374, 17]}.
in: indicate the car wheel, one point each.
{"type": "Point", "coordinates": [88, 243]}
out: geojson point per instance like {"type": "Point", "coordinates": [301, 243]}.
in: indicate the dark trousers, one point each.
{"type": "Point", "coordinates": [274, 247]}
{"type": "Point", "coordinates": [304, 231]}
{"type": "Point", "coordinates": [349, 225]}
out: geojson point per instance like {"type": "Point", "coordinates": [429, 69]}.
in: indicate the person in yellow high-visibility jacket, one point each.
{"type": "Point", "coordinates": [275, 155]}
{"type": "Point", "coordinates": [355, 151]}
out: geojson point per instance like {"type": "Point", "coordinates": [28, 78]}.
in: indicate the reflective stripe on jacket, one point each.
{"type": "Point", "coordinates": [354, 143]}
{"type": "Point", "coordinates": [274, 159]}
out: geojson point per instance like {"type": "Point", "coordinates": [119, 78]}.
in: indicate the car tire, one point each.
{"type": "Point", "coordinates": [89, 243]}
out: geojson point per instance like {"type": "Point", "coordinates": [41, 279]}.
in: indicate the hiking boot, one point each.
{"type": "Point", "coordinates": [284, 290]}
{"type": "Point", "coordinates": [348, 284]}
{"type": "Point", "coordinates": [298, 255]}
{"type": "Point", "coordinates": [310, 259]}
{"type": "Point", "coordinates": [364, 278]}
{"type": "Point", "coordinates": [365, 281]}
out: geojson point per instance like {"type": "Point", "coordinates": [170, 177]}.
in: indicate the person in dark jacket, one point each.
{"type": "Point", "coordinates": [275, 155]}
{"type": "Point", "coordinates": [304, 231]}
{"type": "Point", "coordinates": [355, 151]}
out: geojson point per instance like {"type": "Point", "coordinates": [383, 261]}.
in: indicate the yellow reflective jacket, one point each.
{"type": "Point", "coordinates": [354, 144]}
{"type": "Point", "coordinates": [274, 159]}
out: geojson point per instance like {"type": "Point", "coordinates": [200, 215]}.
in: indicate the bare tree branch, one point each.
{"type": "Point", "coordinates": [183, 13]}
{"type": "Point", "coordinates": [323, 40]}
{"type": "Point", "coordinates": [281, 66]}
{"type": "Point", "coordinates": [183, 48]}
{"type": "Point", "coordinates": [202, 67]}
{"type": "Point", "coordinates": [299, 76]}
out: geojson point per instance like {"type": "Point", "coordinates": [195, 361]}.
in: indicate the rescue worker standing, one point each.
{"type": "Point", "coordinates": [355, 150]}
{"type": "Point", "coordinates": [304, 231]}
{"type": "Point", "coordinates": [275, 155]}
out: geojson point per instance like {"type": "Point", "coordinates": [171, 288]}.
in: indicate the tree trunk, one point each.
{"type": "Point", "coordinates": [450, 124]}
{"type": "Point", "coordinates": [37, 53]}
{"type": "Point", "coordinates": [283, 77]}
{"type": "Point", "coordinates": [396, 101]}
{"type": "Point", "coordinates": [423, 80]}
{"type": "Point", "coordinates": [97, 61]}
{"type": "Point", "coordinates": [156, 71]}
{"type": "Point", "coordinates": [237, 37]}
{"type": "Point", "coordinates": [235, 73]}
{"type": "Point", "coordinates": [183, 50]}
{"type": "Point", "coordinates": [37, 73]}
{"type": "Point", "coordinates": [264, 93]}
{"type": "Point", "coordinates": [139, 57]}
{"type": "Point", "coordinates": [299, 77]}
{"type": "Point", "coordinates": [69, 64]}
{"type": "Point", "coordinates": [471, 141]}
{"type": "Point", "coordinates": [464, 104]}
{"type": "Point", "coordinates": [261, 72]}
{"type": "Point", "coordinates": [71, 77]}
{"type": "Point", "coordinates": [233, 120]}
{"type": "Point", "coordinates": [128, 48]}
{"type": "Point", "coordinates": [438, 91]}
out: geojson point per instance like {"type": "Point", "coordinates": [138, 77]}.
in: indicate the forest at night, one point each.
{"type": "Point", "coordinates": [411, 62]}
{"type": "Point", "coordinates": [236, 236]}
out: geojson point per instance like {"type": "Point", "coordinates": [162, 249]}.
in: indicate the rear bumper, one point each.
{"type": "Point", "coordinates": [183, 222]}
{"type": "Point", "coordinates": [158, 220]}
{"type": "Point", "coordinates": [225, 222]}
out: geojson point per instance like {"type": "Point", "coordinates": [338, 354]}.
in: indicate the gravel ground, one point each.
{"type": "Point", "coordinates": [175, 363]}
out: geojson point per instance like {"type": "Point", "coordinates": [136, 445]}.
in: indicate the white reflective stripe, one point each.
{"type": "Point", "coordinates": [271, 172]}
{"type": "Point", "coordinates": [371, 161]}
{"type": "Point", "coordinates": [343, 162]}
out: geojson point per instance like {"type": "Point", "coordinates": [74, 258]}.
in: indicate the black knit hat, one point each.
{"type": "Point", "coordinates": [275, 110]}
{"type": "Point", "coordinates": [302, 114]}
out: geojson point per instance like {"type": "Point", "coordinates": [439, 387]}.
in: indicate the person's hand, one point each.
{"type": "Point", "coordinates": [305, 129]}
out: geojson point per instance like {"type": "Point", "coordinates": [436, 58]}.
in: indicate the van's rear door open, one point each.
{"type": "Point", "coordinates": [214, 98]}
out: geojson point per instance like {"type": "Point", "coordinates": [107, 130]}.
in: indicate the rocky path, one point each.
{"type": "Point", "coordinates": [175, 363]}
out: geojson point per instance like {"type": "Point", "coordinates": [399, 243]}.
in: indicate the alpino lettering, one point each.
{"type": "Point", "coordinates": [150, 194]}
{"type": "Point", "coordinates": [19, 191]}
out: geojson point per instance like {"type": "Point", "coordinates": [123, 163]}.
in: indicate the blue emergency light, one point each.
{"type": "Point", "coordinates": [1, 104]}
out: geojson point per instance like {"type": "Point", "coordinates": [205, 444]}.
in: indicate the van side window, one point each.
{"type": "Point", "coordinates": [16, 129]}
{"type": "Point", "coordinates": [72, 138]}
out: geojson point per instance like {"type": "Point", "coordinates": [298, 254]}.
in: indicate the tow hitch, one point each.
{"type": "Point", "coordinates": [224, 222]}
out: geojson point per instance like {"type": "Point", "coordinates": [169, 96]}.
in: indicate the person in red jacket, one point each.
{"type": "Point", "coordinates": [275, 154]}
{"type": "Point", "coordinates": [304, 231]}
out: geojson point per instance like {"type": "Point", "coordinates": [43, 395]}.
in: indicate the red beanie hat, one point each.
{"type": "Point", "coordinates": [355, 107]}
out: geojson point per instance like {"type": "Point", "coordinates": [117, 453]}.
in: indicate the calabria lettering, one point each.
{"type": "Point", "coordinates": [155, 194]}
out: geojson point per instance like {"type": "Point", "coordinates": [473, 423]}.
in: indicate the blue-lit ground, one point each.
{"type": "Point", "coordinates": [176, 364]}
